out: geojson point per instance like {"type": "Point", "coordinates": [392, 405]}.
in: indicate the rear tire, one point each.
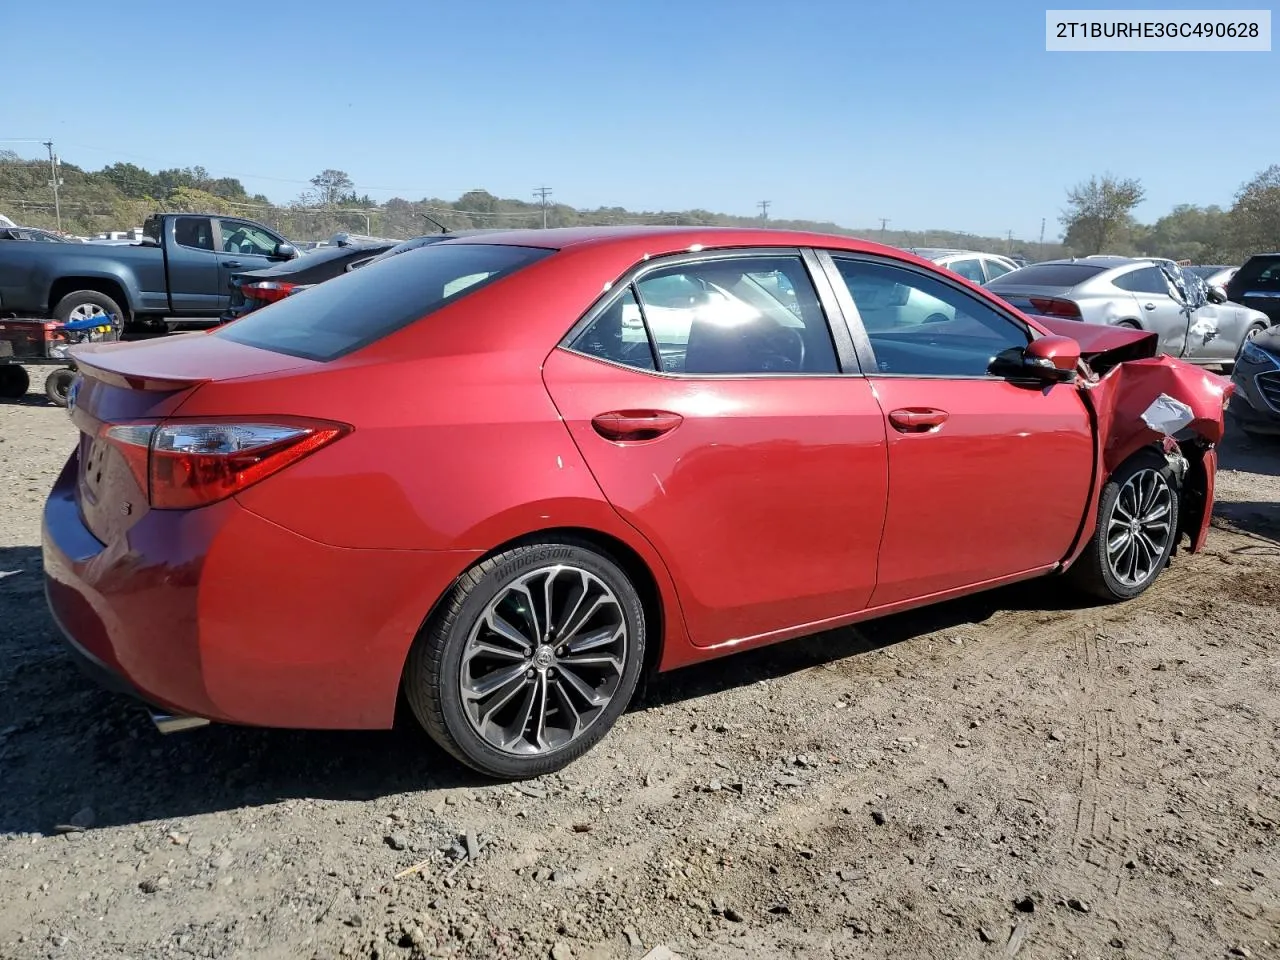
{"type": "Point", "coordinates": [14, 381]}
{"type": "Point", "coordinates": [57, 384]}
{"type": "Point", "coordinates": [82, 304]}
{"type": "Point", "coordinates": [1136, 531]}
{"type": "Point", "coordinates": [535, 692]}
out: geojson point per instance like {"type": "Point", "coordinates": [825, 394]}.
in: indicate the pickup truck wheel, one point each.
{"type": "Point", "coordinates": [83, 304]}
{"type": "Point", "coordinates": [1136, 530]}
{"type": "Point", "coordinates": [14, 381]}
{"type": "Point", "coordinates": [57, 384]}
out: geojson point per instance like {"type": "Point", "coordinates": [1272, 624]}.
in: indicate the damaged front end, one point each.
{"type": "Point", "coordinates": [1139, 399]}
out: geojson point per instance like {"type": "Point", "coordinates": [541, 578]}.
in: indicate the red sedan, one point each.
{"type": "Point", "coordinates": [507, 473]}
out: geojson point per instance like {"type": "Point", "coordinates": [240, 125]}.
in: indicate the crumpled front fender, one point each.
{"type": "Point", "coordinates": [1122, 404]}
{"type": "Point", "coordinates": [1128, 390]}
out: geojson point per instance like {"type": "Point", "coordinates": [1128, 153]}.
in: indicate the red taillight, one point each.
{"type": "Point", "coordinates": [268, 291]}
{"type": "Point", "coordinates": [190, 464]}
{"type": "Point", "coordinates": [1051, 307]}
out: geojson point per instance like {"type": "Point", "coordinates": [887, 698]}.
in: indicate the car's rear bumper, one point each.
{"type": "Point", "coordinates": [221, 614]}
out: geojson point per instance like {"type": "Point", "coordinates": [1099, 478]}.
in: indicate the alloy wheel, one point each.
{"type": "Point", "coordinates": [1140, 527]}
{"type": "Point", "coordinates": [543, 660]}
{"type": "Point", "coordinates": [86, 311]}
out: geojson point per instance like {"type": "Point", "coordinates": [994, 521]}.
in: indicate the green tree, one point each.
{"type": "Point", "coordinates": [331, 185]}
{"type": "Point", "coordinates": [1255, 215]}
{"type": "Point", "coordinates": [1099, 213]}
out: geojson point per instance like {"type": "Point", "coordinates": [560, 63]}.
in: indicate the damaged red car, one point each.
{"type": "Point", "coordinates": [504, 476]}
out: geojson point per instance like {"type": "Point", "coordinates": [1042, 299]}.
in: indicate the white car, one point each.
{"type": "Point", "coordinates": [973, 265]}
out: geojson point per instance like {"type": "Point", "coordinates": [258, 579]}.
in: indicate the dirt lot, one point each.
{"type": "Point", "coordinates": [1008, 774]}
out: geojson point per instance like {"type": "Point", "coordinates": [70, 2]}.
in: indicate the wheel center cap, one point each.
{"type": "Point", "coordinates": [543, 657]}
{"type": "Point", "coordinates": [1134, 526]}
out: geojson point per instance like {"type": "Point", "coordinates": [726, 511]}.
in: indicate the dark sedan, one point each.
{"type": "Point", "coordinates": [1257, 285]}
{"type": "Point", "coordinates": [257, 288]}
{"type": "Point", "coordinates": [1256, 404]}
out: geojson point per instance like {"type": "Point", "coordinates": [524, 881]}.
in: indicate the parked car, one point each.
{"type": "Point", "coordinates": [970, 264]}
{"type": "Point", "coordinates": [257, 288]}
{"type": "Point", "coordinates": [181, 271]}
{"type": "Point", "coordinates": [489, 494]}
{"type": "Point", "coordinates": [1256, 404]}
{"type": "Point", "coordinates": [413, 243]}
{"type": "Point", "coordinates": [1213, 275]}
{"type": "Point", "coordinates": [1257, 285]}
{"type": "Point", "coordinates": [1192, 321]}
{"type": "Point", "coordinates": [34, 233]}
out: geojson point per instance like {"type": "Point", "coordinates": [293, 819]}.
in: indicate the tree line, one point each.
{"type": "Point", "coordinates": [1098, 216]}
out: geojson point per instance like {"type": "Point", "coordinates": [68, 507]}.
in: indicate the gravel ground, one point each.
{"type": "Point", "coordinates": [1003, 775]}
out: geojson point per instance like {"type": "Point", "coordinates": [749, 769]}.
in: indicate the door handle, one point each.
{"type": "Point", "coordinates": [232, 264]}
{"type": "Point", "coordinates": [635, 425]}
{"type": "Point", "coordinates": [1149, 306]}
{"type": "Point", "coordinates": [917, 419]}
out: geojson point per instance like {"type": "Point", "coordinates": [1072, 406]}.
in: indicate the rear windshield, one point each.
{"type": "Point", "coordinates": [1047, 275]}
{"type": "Point", "coordinates": [351, 311]}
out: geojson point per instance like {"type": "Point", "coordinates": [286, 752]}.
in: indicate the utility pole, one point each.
{"type": "Point", "coordinates": [53, 170]}
{"type": "Point", "coordinates": [542, 193]}
{"type": "Point", "coordinates": [764, 208]}
{"type": "Point", "coordinates": [884, 221]}
{"type": "Point", "coordinates": [1042, 238]}
{"type": "Point", "coordinates": [1008, 242]}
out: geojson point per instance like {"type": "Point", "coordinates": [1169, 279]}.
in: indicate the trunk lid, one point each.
{"type": "Point", "coordinates": [144, 381]}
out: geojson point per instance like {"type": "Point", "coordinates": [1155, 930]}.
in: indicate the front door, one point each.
{"type": "Point", "coordinates": [707, 399]}
{"type": "Point", "coordinates": [242, 246]}
{"type": "Point", "coordinates": [987, 478]}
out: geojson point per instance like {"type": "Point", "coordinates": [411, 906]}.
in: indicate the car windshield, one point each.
{"type": "Point", "coordinates": [351, 311]}
{"type": "Point", "coordinates": [1048, 275]}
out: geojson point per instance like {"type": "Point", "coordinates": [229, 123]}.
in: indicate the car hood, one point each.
{"type": "Point", "coordinates": [1269, 340]}
{"type": "Point", "coordinates": [1102, 347]}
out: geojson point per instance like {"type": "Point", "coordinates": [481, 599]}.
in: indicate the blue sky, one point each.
{"type": "Point", "coordinates": [935, 115]}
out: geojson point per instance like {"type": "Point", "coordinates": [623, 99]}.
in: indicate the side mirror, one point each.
{"type": "Point", "coordinates": [285, 251]}
{"type": "Point", "coordinates": [1217, 294]}
{"type": "Point", "coordinates": [1050, 359]}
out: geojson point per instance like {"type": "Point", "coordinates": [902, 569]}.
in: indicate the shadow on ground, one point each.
{"type": "Point", "coordinates": [65, 743]}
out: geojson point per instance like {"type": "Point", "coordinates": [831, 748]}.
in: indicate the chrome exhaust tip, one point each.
{"type": "Point", "coordinates": [169, 723]}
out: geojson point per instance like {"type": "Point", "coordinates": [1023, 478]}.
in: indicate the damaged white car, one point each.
{"type": "Point", "coordinates": [1192, 321]}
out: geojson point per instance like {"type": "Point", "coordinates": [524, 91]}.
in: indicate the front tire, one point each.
{"type": "Point", "coordinates": [85, 304]}
{"type": "Point", "coordinates": [1136, 531]}
{"type": "Point", "coordinates": [530, 659]}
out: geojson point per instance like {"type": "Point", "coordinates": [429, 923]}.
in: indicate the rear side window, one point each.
{"type": "Point", "coordinates": [1048, 275]}
{"type": "Point", "coordinates": [1146, 280]}
{"type": "Point", "coordinates": [351, 311]}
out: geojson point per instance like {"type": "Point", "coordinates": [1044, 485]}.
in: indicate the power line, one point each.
{"type": "Point", "coordinates": [542, 193]}
{"type": "Point", "coordinates": [764, 208]}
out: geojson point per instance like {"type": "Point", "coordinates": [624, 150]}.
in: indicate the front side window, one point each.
{"type": "Point", "coordinates": [736, 315]}
{"type": "Point", "coordinates": [920, 326]}
{"type": "Point", "coordinates": [239, 237]}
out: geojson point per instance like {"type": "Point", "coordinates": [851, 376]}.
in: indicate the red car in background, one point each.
{"type": "Point", "coordinates": [507, 473]}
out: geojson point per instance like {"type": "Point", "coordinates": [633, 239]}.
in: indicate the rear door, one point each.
{"type": "Point", "coordinates": [988, 479]}
{"type": "Point", "coordinates": [192, 261]}
{"type": "Point", "coordinates": [1161, 312]}
{"type": "Point", "coordinates": [715, 411]}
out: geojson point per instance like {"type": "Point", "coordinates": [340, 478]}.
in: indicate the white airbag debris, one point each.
{"type": "Point", "coordinates": [1167, 415]}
